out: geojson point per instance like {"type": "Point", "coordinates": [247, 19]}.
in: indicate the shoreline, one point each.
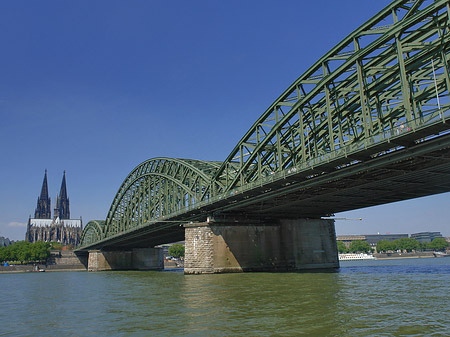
{"type": "Point", "coordinates": [33, 271]}
{"type": "Point", "coordinates": [404, 257]}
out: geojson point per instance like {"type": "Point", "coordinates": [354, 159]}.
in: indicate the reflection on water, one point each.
{"type": "Point", "coordinates": [390, 298]}
{"type": "Point", "coordinates": [260, 303]}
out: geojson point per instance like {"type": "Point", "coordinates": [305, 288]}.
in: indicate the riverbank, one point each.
{"type": "Point", "coordinates": [29, 268]}
{"type": "Point", "coordinates": [58, 261]}
{"type": "Point", "coordinates": [394, 256]}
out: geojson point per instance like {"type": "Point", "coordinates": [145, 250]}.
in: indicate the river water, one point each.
{"type": "Point", "coordinates": [408, 297]}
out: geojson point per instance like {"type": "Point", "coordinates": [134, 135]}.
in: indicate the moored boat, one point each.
{"type": "Point", "coordinates": [355, 256]}
{"type": "Point", "coordinates": [441, 254]}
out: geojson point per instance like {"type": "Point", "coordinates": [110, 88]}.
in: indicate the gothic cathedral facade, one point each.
{"type": "Point", "coordinates": [60, 228]}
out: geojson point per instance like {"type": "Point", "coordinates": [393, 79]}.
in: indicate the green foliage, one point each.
{"type": "Point", "coordinates": [25, 252]}
{"type": "Point", "coordinates": [176, 250]}
{"type": "Point", "coordinates": [409, 244]}
{"type": "Point", "coordinates": [385, 246]}
{"type": "Point", "coordinates": [5, 254]}
{"type": "Point", "coordinates": [341, 247]}
{"type": "Point", "coordinates": [359, 246]}
{"type": "Point", "coordinates": [438, 244]}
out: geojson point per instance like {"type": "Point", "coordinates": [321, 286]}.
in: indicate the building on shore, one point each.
{"type": "Point", "coordinates": [371, 239]}
{"type": "Point", "coordinates": [348, 239]}
{"type": "Point", "coordinates": [5, 241]}
{"type": "Point", "coordinates": [426, 236]}
{"type": "Point", "coordinates": [60, 228]}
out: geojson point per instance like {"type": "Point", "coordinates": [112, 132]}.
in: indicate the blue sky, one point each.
{"type": "Point", "coordinates": [97, 87]}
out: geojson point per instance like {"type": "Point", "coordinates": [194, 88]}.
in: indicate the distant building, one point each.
{"type": "Point", "coordinates": [348, 239]}
{"type": "Point", "coordinates": [4, 242]}
{"type": "Point", "coordinates": [371, 239]}
{"type": "Point", "coordinates": [426, 236]}
{"type": "Point", "coordinates": [60, 228]}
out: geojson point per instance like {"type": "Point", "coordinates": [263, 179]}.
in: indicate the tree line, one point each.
{"type": "Point", "coordinates": [409, 245]}
{"type": "Point", "coordinates": [357, 246]}
{"type": "Point", "coordinates": [25, 252]}
{"type": "Point", "coordinates": [403, 244]}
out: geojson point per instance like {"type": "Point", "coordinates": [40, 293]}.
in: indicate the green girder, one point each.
{"type": "Point", "coordinates": [93, 232]}
{"type": "Point", "coordinates": [156, 188]}
{"type": "Point", "coordinates": [390, 75]}
{"type": "Point", "coordinates": [386, 80]}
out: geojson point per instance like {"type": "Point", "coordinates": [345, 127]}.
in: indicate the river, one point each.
{"type": "Point", "coordinates": [407, 297]}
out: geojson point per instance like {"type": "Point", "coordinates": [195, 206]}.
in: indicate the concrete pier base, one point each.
{"type": "Point", "coordinates": [288, 245]}
{"type": "Point", "coordinates": [136, 259]}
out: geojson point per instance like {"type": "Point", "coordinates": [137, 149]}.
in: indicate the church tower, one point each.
{"type": "Point", "coordinates": [43, 210]}
{"type": "Point", "coordinates": [61, 228]}
{"type": "Point", "coordinates": [62, 202]}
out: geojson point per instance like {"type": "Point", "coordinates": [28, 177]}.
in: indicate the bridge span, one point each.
{"type": "Point", "coordinates": [367, 124]}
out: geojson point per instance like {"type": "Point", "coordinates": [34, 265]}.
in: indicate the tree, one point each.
{"type": "Point", "coordinates": [408, 244]}
{"type": "Point", "coordinates": [176, 250]}
{"type": "Point", "coordinates": [341, 247]}
{"type": "Point", "coordinates": [40, 251]}
{"type": "Point", "coordinates": [4, 254]}
{"type": "Point", "coordinates": [24, 251]}
{"type": "Point", "coordinates": [438, 244]}
{"type": "Point", "coordinates": [359, 246]}
{"type": "Point", "coordinates": [385, 245]}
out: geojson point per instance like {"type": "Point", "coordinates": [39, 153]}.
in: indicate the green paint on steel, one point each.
{"type": "Point", "coordinates": [387, 81]}
{"type": "Point", "coordinates": [364, 88]}
{"type": "Point", "coordinates": [156, 188]}
{"type": "Point", "coordinates": [93, 232]}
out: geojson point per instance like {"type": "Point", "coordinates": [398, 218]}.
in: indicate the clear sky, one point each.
{"type": "Point", "coordinates": [97, 87]}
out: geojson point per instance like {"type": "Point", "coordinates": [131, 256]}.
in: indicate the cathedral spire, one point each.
{"type": "Point", "coordinates": [62, 202]}
{"type": "Point", "coordinates": [43, 210]}
{"type": "Point", "coordinates": [44, 189]}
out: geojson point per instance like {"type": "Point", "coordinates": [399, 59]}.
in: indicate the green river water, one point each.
{"type": "Point", "coordinates": [364, 298]}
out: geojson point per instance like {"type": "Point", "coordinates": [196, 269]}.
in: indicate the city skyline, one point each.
{"type": "Point", "coordinates": [97, 88]}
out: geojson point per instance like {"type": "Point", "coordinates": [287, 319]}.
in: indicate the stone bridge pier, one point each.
{"type": "Point", "coordinates": [135, 259]}
{"type": "Point", "coordinates": [283, 245]}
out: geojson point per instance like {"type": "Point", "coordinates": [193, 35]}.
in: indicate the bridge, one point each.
{"type": "Point", "coordinates": [367, 124]}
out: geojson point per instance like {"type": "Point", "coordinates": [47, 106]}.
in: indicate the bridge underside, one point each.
{"type": "Point", "coordinates": [405, 174]}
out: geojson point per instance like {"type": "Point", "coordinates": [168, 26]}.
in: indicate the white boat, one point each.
{"type": "Point", "coordinates": [441, 254]}
{"type": "Point", "coordinates": [355, 256]}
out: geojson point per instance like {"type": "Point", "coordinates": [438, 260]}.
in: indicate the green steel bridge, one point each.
{"type": "Point", "coordinates": [367, 124]}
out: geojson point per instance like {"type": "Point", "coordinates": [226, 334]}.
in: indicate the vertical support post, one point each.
{"type": "Point", "coordinates": [302, 133]}
{"type": "Point", "coordinates": [329, 112]}
{"type": "Point", "coordinates": [362, 95]}
{"type": "Point", "coordinates": [278, 158]}
{"type": "Point", "coordinates": [258, 154]}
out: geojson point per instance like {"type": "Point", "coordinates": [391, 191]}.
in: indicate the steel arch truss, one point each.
{"type": "Point", "coordinates": [384, 88]}
{"type": "Point", "coordinates": [389, 76]}
{"type": "Point", "coordinates": [93, 232]}
{"type": "Point", "coordinates": [156, 188]}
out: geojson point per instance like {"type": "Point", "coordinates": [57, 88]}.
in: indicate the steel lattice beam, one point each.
{"type": "Point", "coordinates": [380, 95]}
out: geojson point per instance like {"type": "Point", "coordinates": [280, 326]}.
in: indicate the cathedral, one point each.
{"type": "Point", "coordinates": [60, 228]}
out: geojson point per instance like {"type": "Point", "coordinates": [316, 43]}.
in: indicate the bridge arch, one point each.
{"type": "Point", "coordinates": [93, 232]}
{"type": "Point", "coordinates": [390, 75]}
{"type": "Point", "coordinates": [383, 88]}
{"type": "Point", "coordinates": [156, 188]}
